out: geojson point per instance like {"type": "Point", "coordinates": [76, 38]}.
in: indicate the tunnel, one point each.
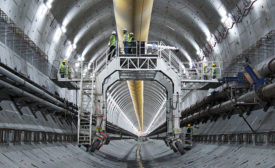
{"type": "Point", "coordinates": [137, 83]}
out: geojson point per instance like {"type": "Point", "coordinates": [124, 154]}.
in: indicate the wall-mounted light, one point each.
{"type": "Point", "coordinates": [211, 40]}
{"type": "Point", "coordinates": [74, 46]}
{"type": "Point", "coordinates": [63, 28]}
{"type": "Point", "coordinates": [49, 4]}
{"type": "Point", "coordinates": [69, 50]}
{"type": "Point", "coordinates": [57, 34]}
{"type": "Point", "coordinates": [227, 21]}
{"type": "Point", "coordinates": [80, 58]}
{"type": "Point", "coordinates": [77, 64]}
{"type": "Point", "coordinates": [200, 53]}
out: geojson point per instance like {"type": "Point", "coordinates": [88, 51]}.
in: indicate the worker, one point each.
{"type": "Point", "coordinates": [63, 69]}
{"type": "Point", "coordinates": [189, 131]}
{"type": "Point", "coordinates": [112, 45]}
{"type": "Point", "coordinates": [154, 48]}
{"type": "Point", "coordinates": [69, 72]}
{"type": "Point", "coordinates": [132, 45]}
{"type": "Point", "coordinates": [214, 71]}
{"type": "Point", "coordinates": [205, 72]}
{"type": "Point", "coordinates": [126, 40]}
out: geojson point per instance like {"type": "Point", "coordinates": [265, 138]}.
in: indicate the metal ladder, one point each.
{"type": "Point", "coordinates": [85, 113]}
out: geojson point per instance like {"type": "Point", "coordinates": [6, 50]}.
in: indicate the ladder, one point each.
{"type": "Point", "coordinates": [85, 112]}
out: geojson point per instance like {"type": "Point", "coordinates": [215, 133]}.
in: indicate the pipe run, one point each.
{"type": "Point", "coordinates": [267, 68]}
{"type": "Point", "coordinates": [30, 86]}
{"type": "Point", "coordinates": [265, 93]}
{"type": "Point", "coordinates": [218, 96]}
{"type": "Point", "coordinates": [16, 90]}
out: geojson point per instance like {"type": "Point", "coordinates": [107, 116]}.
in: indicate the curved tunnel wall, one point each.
{"type": "Point", "coordinates": [237, 41]}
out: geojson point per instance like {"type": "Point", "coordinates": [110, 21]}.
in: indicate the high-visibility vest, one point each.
{"type": "Point", "coordinates": [214, 71]}
{"type": "Point", "coordinates": [205, 69]}
{"type": "Point", "coordinates": [132, 39]}
{"type": "Point", "coordinates": [63, 68]}
{"type": "Point", "coordinates": [126, 37]}
{"type": "Point", "coordinates": [112, 41]}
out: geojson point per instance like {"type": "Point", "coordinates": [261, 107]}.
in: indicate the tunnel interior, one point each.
{"type": "Point", "coordinates": [213, 73]}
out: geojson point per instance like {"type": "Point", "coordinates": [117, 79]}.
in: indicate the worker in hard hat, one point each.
{"type": "Point", "coordinates": [132, 44]}
{"type": "Point", "coordinates": [205, 72]}
{"type": "Point", "coordinates": [189, 131]}
{"type": "Point", "coordinates": [214, 71]}
{"type": "Point", "coordinates": [112, 45]}
{"type": "Point", "coordinates": [154, 48]}
{"type": "Point", "coordinates": [126, 41]}
{"type": "Point", "coordinates": [69, 72]}
{"type": "Point", "coordinates": [63, 69]}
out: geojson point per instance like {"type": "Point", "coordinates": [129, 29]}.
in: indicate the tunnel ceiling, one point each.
{"type": "Point", "coordinates": [181, 23]}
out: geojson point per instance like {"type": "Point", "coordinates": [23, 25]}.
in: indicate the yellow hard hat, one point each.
{"type": "Point", "coordinates": [214, 65]}
{"type": "Point", "coordinates": [188, 125]}
{"type": "Point", "coordinates": [64, 61]}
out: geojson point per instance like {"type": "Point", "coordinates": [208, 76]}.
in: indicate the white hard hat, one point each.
{"type": "Point", "coordinates": [124, 29]}
{"type": "Point", "coordinates": [113, 32]}
{"type": "Point", "coordinates": [131, 33]}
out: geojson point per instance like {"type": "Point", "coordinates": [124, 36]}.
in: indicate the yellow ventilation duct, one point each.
{"type": "Point", "coordinates": [136, 91]}
{"type": "Point", "coordinates": [135, 16]}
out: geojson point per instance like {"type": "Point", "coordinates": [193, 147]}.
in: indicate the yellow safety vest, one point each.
{"type": "Point", "coordinates": [126, 37]}
{"type": "Point", "coordinates": [112, 41]}
{"type": "Point", "coordinates": [63, 68]}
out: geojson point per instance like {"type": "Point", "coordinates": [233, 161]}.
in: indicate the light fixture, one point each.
{"type": "Point", "coordinates": [49, 4]}
{"type": "Point", "coordinates": [57, 34]}
{"type": "Point", "coordinates": [77, 64]}
{"type": "Point", "coordinates": [211, 40]}
{"type": "Point", "coordinates": [200, 53]}
{"type": "Point", "coordinates": [69, 51]}
{"type": "Point", "coordinates": [63, 28]}
{"type": "Point", "coordinates": [227, 21]}
{"type": "Point", "coordinates": [74, 46]}
{"type": "Point", "coordinates": [80, 58]}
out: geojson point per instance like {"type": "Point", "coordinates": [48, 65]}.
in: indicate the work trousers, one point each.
{"type": "Point", "coordinates": [112, 52]}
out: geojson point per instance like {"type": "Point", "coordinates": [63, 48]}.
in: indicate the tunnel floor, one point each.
{"type": "Point", "coordinates": [124, 154]}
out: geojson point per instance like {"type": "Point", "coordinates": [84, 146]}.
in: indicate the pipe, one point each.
{"type": "Point", "coordinates": [218, 96]}
{"type": "Point", "coordinates": [162, 128]}
{"type": "Point", "coordinates": [111, 128]}
{"type": "Point", "coordinates": [267, 68]}
{"type": "Point", "coordinates": [119, 138]}
{"type": "Point", "coordinates": [33, 97]}
{"type": "Point", "coordinates": [265, 93]}
{"type": "Point", "coordinates": [29, 85]}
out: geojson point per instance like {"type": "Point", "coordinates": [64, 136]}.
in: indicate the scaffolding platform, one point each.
{"type": "Point", "coordinates": [70, 84]}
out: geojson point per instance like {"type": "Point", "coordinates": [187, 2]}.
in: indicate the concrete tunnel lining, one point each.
{"type": "Point", "coordinates": [183, 24]}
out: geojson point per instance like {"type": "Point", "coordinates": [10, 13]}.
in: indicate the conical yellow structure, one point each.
{"type": "Point", "coordinates": [135, 16]}
{"type": "Point", "coordinates": [136, 91]}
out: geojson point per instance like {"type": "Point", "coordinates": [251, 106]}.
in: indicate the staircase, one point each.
{"type": "Point", "coordinates": [85, 113]}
